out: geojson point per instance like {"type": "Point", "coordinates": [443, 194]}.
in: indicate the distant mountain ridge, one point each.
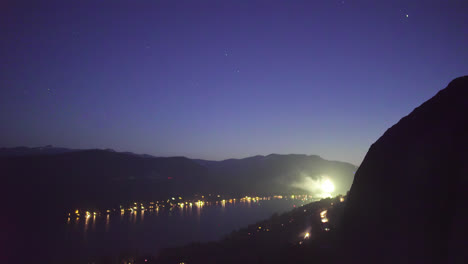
{"type": "Point", "coordinates": [104, 176]}
{"type": "Point", "coordinates": [210, 163]}
{"type": "Point", "coordinates": [50, 149]}
{"type": "Point", "coordinates": [278, 173]}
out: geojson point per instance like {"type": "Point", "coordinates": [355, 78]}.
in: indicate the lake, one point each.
{"type": "Point", "coordinates": [146, 232]}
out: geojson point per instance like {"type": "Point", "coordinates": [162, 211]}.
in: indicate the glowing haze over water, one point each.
{"type": "Point", "coordinates": [222, 79]}
{"type": "Point", "coordinates": [320, 187]}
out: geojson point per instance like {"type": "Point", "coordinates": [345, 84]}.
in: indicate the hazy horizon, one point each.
{"type": "Point", "coordinates": [190, 157]}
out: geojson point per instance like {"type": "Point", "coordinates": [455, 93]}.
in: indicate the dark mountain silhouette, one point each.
{"type": "Point", "coordinates": [97, 177]}
{"type": "Point", "coordinates": [408, 200]}
{"type": "Point", "coordinates": [275, 174]}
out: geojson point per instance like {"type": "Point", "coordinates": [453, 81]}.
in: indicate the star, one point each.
{"type": "Point", "coordinates": [406, 15]}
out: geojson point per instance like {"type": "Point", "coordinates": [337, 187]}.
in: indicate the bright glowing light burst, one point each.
{"type": "Point", "coordinates": [327, 186]}
{"type": "Point", "coordinates": [319, 186]}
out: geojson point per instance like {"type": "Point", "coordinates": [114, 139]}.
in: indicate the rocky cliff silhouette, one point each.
{"type": "Point", "coordinates": [408, 202]}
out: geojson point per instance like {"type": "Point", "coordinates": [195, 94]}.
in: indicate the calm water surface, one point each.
{"type": "Point", "coordinates": [147, 232]}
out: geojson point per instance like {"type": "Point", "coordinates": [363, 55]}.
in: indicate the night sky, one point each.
{"type": "Point", "coordinates": [222, 79]}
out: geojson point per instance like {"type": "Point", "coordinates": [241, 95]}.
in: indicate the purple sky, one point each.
{"type": "Point", "coordinates": [222, 79]}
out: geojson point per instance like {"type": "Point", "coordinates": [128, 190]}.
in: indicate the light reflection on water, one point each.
{"type": "Point", "coordinates": [93, 226]}
{"type": "Point", "coordinates": [148, 231]}
{"type": "Point", "coordinates": [134, 217]}
{"type": "Point", "coordinates": [86, 223]}
{"type": "Point", "coordinates": [107, 222]}
{"type": "Point", "coordinates": [137, 216]}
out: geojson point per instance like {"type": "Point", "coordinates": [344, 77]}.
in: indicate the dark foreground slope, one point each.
{"type": "Point", "coordinates": [279, 239]}
{"type": "Point", "coordinates": [408, 202]}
